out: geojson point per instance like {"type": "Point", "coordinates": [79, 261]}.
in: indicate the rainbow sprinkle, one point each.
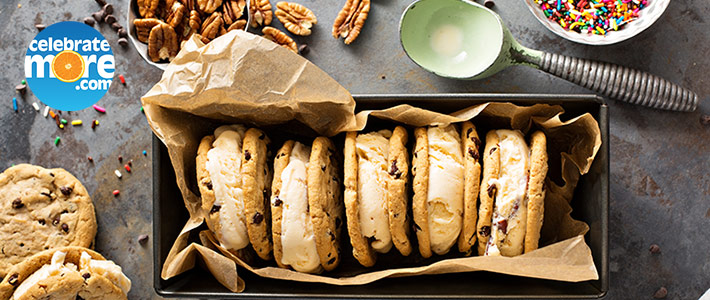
{"type": "Point", "coordinates": [592, 16]}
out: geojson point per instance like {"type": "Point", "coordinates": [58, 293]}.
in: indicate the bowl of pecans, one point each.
{"type": "Point", "coordinates": [158, 28]}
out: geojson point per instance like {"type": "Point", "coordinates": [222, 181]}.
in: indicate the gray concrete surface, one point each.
{"type": "Point", "coordinates": [660, 179]}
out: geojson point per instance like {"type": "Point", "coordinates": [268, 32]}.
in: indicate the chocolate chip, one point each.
{"type": "Point", "coordinates": [17, 204]}
{"type": "Point", "coordinates": [492, 150]}
{"type": "Point", "coordinates": [13, 279]}
{"type": "Point", "coordinates": [415, 154]}
{"type": "Point", "coordinates": [86, 276]}
{"type": "Point", "coordinates": [473, 153]}
{"type": "Point", "coordinates": [42, 222]}
{"type": "Point", "coordinates": [262, 136]}
{"type": "Point", "coordinates": [21, 88]}
{"type": "Point", "coordinates": [489, 3]}
{"type": "Point", "coordinates": [110, 19]}
{"type": "Point", "coordinates": [65, 227]}
{"type": "Point", "coordinates": [55, 222]}
{"type": "Point", "coordinates": [371, 239]}
{"type": "Point", "coordinates": [485, 231]}
{"type": "Point", "coordinates": [476, 142]}
{"type": "Point", "coordinates": [335, 179]}
{"type": "Point", "coordinates": [338, 222]}
{"type": "Point", "coordinates": [120, 158]}
{"type": "Point", "coordinates": [322, 168]}
{"type": "Point", "coordinates": [130, 163]}
{"type": "Point", "coordinates": [142, 239]}
{"type": "Point", "coordinates": [123, 42]}
{"type": "Point", "coordinates": [303, 49]}
{"type": "Point", "coordinates": [654, 249]}
{"type": "Point", "coordinates": [468, 132]}
{"type": "Point", "coordinates": [98, 16]}
{"type": "Point", "coordinates": [247, 155]}
{"type": "Point", "coordinates": [491, 190]}
{"type": "Point", "coordinates": [116, 26]}
{"type": "Point", "coordinates": [101, 2]}
{"type": "Point", "coordinates": [89, 21]}
{"type": "Point", "coordinates": [331, 261]}
{"type": "Point", "coordinates": [46, 194]}
{"type": "Point", "coordinates": [51, 174]}
{"type": "Point", "coordinates": [215, 208]}
{"type": "Point", "coordinates": [277, 201]}
{"type": "Point", "coordinates": [383, 77]}
{"type": "Point", "coordinates": [108, 8]}
{"type": "Point", "coordinates": [40, 27]}
{"type": "Point", "coordinates": [503, 226]}
{"type": "Point", "coordinates": [332, 236]}
{"type": "Point", "coordinates": [705, 119]}
{"type": "Point", "coordinates": [394, 171]}
{"type": "Point", "coordinates": [258, 217]}
{"type": "Point", "coordinates": [78, 298]}
{"type": "Point", "coordinates": [122, 33]}
{"type": "Point", "coordinates": [661, 293]}
{"type": "Point", "coordinates": [416, 227]}
{"type": "Point", "coordinates": [66, 190]}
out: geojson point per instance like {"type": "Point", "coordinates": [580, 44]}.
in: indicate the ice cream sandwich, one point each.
{"type": "Point", "coordinates": [438, 202]}
{"type": "Point", "coordinates": [306, 206]}
{"type": "Point", "coordinates": [512, 193]}
{"type": "Point", "coordinates": [376, 176]}
{"type": "Point", "coordinates": [234, 181]}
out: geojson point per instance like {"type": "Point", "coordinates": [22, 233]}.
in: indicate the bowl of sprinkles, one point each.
{"type": "Point", "coordinates": [597, 22]}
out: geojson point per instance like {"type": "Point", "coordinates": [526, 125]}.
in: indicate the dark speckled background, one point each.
{"type": "Point", "coordinates": [660, 161]}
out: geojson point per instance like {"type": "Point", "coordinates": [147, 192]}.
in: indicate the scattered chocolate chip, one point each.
{"type": "Point", "coordinates": [661, 293]}
{"type": "Point", "coordinates": [142, 239]}
{"type": "Point", "coordinates": [209, 185]}
{"type": "Point", "coordinates": [110, 19]}
{"type": "Point", "coordinates": [42, 222]}
{"type": "Point", "coordinates": [473, 153]}
{"type": "Point", "coordinates": [116, 26]}
{"type": "Point", "coordinates": [122, 33]}
{"type": "Point", "coordinates": [331, 261]}
{"type": "Point", "coordinates": [40, 27]}
{"type": "Point", "coordinates": [304, 49]}
{"type": "Point", "coordinates": [247, 155]}
{"type": "Point", "coordinates": [55, 222]}
{"type": "Point", "coordinates": [277, 201]}
{"type": "Point", "coordinates": [215, 208]}
{"type": "Point", "coordinates": [654, 249]}
{"type": "Point", "coordinates": [485, 231]}
{"type": "Point", "coordinates": [383, 77]}
{"type": "Point", "coordinates": [120, 158]}
{"type": "Point", "coordinates": [65, 227]}
{"type": "Point", "coordinates": [338, 222]}
{"type": "Point", "coordinates": [108, 8]}
{"type": "Point", "coordinates": [101, 2]}
{"type": "Point", "coordinates": [13, 279]}
{"type": "Point", "coordinates": [98, 16]}
{"type": "Point", "coordinates": [491, 190]}
{"type": "Point", "coordinates": [322, 167]}
{"type": "Point", "coordinates": [503, 226]}
{"type": "Point", "coordinates": [66, 190]}
{"type": "Point", "coordinates": [21, 88]}
{"type": "Point", "coordinates": [17, 204]}
{"type": "Point", "coordinates": [489, 3]}
{"type": "Point", "coordinates": [258, 217]}
{"type": "Point", "coordinates": [89, 21]}
{"type": "Point", "coordinates": [86, 276]}
{"type": "Point", "coordinates": [130, 162]}
{"type": "Point", "coordinates": [492, 150]}
{"type": "Point", "coordinates": [705, 119]}
{"type": "Point", "coordinates": [123, 42]}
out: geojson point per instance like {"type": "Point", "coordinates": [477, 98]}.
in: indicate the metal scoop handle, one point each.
{"type": "Point", "coordinates": [620, 83]}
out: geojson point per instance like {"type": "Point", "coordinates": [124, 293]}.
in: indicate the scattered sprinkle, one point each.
{"type": "Point", "coordinates": [120, 158]}
{"type": "Point", "coordinates": [76, 122]}
{"type": "Point", "coordinates": [130, 163]}
{"type": "Point", "coordinates": [46, 111]}
{"type": "Point", "coordinates": [35, 105]}
{"type": "Point", "coordinates": [128, 168]}
{"type": "Point", "coordinates": [23, 81]}
{"type": "Point", "coordinates": [123, 80]}
{"type": "Point", "coordinates": [14, 103]}
{"type": "Point", "coordinates": [94, 123]}
{"type": "Point", "coordinates": [99, 108]}
{"type": "Point", "coordinates": [145, 153]}
{"type": "Point", "coordinates": [56, 141]}
{"type": "Point", "coordinates": [142, 109]}
{"type": "Point", "coordinates": [61, 126]}
{"type": "Point", "coordinates": [52, 114]}
{"type": "Point", "coordinates": [91, 159]}
{"type": "Point", "coordinates": [64, 121]}
{"type": "Point", "coordinates": [116, 192]}
{"type": "Point", "coordinates": [118, 174]}
{"type": "Point", "coordinates": [592, 16]}
{"type": "Point", "coordinates": [143, 239]}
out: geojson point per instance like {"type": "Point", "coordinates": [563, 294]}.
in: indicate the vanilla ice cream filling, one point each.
{"type": "Point", "coordinates": [224, 163]}
{"type": "Point", "coordinates": [297, 238]}
{"type": "Point", "coordinates": [104, 268]}
{"type": "Point", "coordinates": [445, 193]}
{"type": "Point", "coordinates": [372, 151]}
{"type": "Point", "coordinates": [510, 210]}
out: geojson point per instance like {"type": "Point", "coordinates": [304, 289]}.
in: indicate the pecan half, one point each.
{"type": "Point", "coordinates": [176, 14]}
{"type": "Point", "coordinates": [147, 8]}
{"type": "Point", "coordinates": [209, 6]}
{"type": "Point", "coordinates": [296, 18]}
{"type": "Point", "coordinates": [143, 27]}
{"type": "Point", "coordinates": [162, 43]}
{"type": "Point", "coordinates": [211, 27]}
{"type": "Point", "coordinates": [232, 10]}
{"type": "Point", "coordinates": [260, 12]}
{"type": "Point", "coordinates": [239, 25]}
{"type": "Point", "coordinates": [350, 20]}
{"type": "Point", "coordinates": [194, 23]}
{"type": "Point", "coordinates": [280, 38]}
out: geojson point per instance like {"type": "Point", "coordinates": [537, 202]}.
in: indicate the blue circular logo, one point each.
{"type": "Point", "coordinates": [69, 66]}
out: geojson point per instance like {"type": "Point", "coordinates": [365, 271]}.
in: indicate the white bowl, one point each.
{"type": "Point", "coordinates": [647, 16]}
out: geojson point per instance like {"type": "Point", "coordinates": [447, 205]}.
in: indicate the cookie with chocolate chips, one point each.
{"type": "Point", "coordinates": [42, 209]}
{"type": "Point", "coordinates": [491, 168]}
{"type": "Point", "coordinates": [420, 173]}
{"type": "Point", "coordinates": [472, 181]}
{"type": "Point", "coordinates": [256, 183]}
{"type": "Point", "coordinates": [65, 273]}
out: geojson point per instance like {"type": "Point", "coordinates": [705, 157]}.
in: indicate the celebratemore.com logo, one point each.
{"type": "Point", "coordinates": [69, 66]}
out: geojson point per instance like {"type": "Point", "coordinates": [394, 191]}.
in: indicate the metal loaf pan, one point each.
{"type": "Point", "coordinates": [590, 204]}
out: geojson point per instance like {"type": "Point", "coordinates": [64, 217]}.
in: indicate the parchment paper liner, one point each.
{"type": "Point", "coordinates": [243, 78]}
